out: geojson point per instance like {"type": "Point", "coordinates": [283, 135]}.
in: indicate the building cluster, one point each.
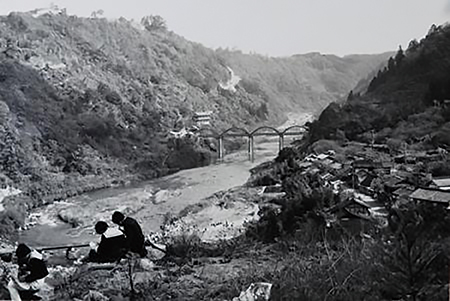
{"type": "Point", "coordinates": [366, 185]}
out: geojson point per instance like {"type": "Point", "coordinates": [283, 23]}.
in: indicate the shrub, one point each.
{"type": "Point", "coordinates": [10, 220]}
{"type": "Point", "coordinates": [185, 246]}
{"type": "Point", "coordinates": [411, 264]}
{"type": "Point", "coordinates": [322, 146]}
{"type": "Point", "coordinates": [185, 154]}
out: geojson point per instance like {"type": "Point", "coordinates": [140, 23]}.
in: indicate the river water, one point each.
{"type": "Point", "coordinates": [149, 202]}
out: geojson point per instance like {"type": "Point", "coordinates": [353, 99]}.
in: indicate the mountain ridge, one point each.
{"type": "Point", "coordinates": [404, 101]}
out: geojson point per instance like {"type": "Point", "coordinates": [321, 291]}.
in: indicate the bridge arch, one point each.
{"type": "Point", "coordinates": [242, 132]}
{"type": "Point", "coordinates": [293, 127]}
{"type": "Point", "coordinates": [228, 132]}
{"type": "Point", "coordinates": [265, 127]}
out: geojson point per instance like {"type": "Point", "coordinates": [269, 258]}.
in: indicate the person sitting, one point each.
{"type": "Point", "coordinates": [133, 233]}
{"type": "Point", "coordinates": [30, 278]}
{"type": "Point", "coordinates": [112, 246]}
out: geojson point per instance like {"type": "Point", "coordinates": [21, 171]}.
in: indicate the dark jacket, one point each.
{"type": "Point", "coordinates": [134, 236]}
{"type": "Point", "coordinates": [35, 267]}
{"type": "Point", "coordinates": [112, 246]}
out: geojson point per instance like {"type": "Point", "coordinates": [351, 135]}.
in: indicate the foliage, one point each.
{"type": "Point", "coordinates": [185, 246]}
{"type": "Point", "coordinates": [412, 257]}
{"type": "Point", "coordinates": [399, 97]}
{"type": "Point", "coordinates": [185, 153]}
{"type": "Point", "coordinates": [154, 22]}
{"type": "Point", "coordinates": [10, 220]}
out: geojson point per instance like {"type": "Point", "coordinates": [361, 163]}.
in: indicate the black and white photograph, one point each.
{"type": "Point", "coordinates": [239, 150]}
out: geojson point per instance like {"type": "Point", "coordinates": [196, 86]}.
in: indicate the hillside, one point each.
{"type": "Point", "coordinates": [308, 82]}
{"type": "Point", "coordinates": [407, 101]}
{"type": "Point", "coordinates": [90, 102]}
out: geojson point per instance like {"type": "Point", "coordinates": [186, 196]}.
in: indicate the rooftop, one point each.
{"type": "Point", "coordinates": [431, 195]}
{"type": "Point", "coordinates": [441, 181]}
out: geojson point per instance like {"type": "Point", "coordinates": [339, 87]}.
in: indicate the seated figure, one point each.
{"type": "Point", "coordinates": [112, 246]}
{"type": "Point", "coordinates": [133, 233]}
{"type": "Point", "coordinates": [30, 278]}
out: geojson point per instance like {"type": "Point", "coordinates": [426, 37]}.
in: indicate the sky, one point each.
{"type": "Point", "coordinates": [275, 27]}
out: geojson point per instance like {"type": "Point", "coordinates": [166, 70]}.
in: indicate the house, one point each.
{"type": "Point", "coordinates": [327, 162]}
{"type": "Point", "coordinates": [322, 156]}
{"type": "Point", "coordinates": [202, 118]}
{"type": "Point", "coordinates": [367, 164]}
{"type": "Point", "coordinates": [311, 158]}
{"type": "Point", "coordinates": [445, 103]}
{"type": "Point", "coordinates": [403, 192]}
{"type": "Point", "coordinates": [272, 192]}
{"type": "Point", "coordinates": [354, 205]}
{"type": "Point", "coordinates": [357, 209]}
{"type": "Point", "coordinates": [304, 164]}
{"type": "Point", "coordinates": [431, 195]}
{"type": "Point", "coordinates": [327, 176]}
{"type": "Point", "coordinates": [367, 180]}
{"type": "Point", "coordinates": [393, 183]}
{"type": "Point", "coordinates": [406, 159]}
{"type": "Point", "coordinates": [361, 174]}
{"type": "Point", "coordinates": [442, 183]}
{"type": "Point", "coordinates": [336, 165]}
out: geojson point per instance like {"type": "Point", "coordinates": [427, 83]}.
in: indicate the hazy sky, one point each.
{"type": "Point", "coordinates": [275, 27]}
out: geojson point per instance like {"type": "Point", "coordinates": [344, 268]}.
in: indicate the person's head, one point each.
{"type": "Point", "coordinates": [118, 217]}
{"type": "Point", "coordinates": [22, 251]}
{"type": "Point", "coordinates": [101, 227]}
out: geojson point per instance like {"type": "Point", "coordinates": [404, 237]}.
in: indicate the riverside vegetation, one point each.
{"type": "Point", "coordinates": [303, 243]}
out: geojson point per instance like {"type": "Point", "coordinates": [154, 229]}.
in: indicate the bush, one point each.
{"type": "Point", "coordinates": [322, 146]}
{"type": "Point", "coordinates": [10, 220]}
{"type": "Point", "coordinates": [185, 246]}
{"type": "Point", "coordinates": [185, 154]}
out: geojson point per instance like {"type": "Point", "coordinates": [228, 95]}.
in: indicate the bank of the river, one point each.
{"type": "Point", "coordinates": [151, 203]}
{"type": "Point", "coordinates": [72, 220]}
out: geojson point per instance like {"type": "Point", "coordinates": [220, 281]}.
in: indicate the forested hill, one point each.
{"type": "Point", "coordinates": [308, 81]}
{"type": "Point", "coordinates": [86, 102]}
{"type": "Point", "coordinates": [408, 101]}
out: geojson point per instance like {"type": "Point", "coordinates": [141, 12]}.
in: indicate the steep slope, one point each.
{"type": "Point", "coordinates": [90, 102]}
{"type": "Point", "coordinates": [306, 82]}
{"type": "Point", "coordinates": [406, 101]}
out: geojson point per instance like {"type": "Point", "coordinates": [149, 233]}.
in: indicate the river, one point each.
{"type": "Point", "coordinates": [149, 202]}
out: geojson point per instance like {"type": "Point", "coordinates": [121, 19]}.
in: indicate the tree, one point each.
{"type": "Point", "coordinates": [412, 261]}
{"type": "Point", "coordinates": [350, 96]}
{"type": "Point", "coordinates": [391, 64]}
{"type": "Point", "coordinates": [399, 56]}
{"type": "Point", "coordinates": [153, 23]}
{"type": "Point", "coordinates": [97, 13]}
{"type": "Point", "coordinates": [412, 46]}
{"type": "Point", "coordinates": [432, 29]}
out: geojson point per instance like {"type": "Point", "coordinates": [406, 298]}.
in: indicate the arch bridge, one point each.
{"type": "Point", "coordinates": [294, 130]}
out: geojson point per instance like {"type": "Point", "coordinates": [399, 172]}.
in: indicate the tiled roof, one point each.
{"type": "Point", "coordinates": [440, 182]}
{"type": "Point", "coordinates": [431, 195]}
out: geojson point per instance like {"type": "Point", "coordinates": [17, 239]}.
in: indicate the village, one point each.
{"type": "Point", "coordinates": [368, 180]}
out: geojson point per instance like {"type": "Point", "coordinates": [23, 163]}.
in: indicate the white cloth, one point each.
{"type": "Point", "coordinates": [14, 286]}
{"type": "Point", "coordinates": [112, 232]}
